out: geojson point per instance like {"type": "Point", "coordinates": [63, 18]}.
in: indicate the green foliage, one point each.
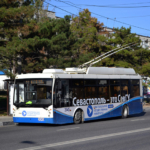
{"type": "Point", "coordinates": [57, 41]}
{"type": "Point", "coordinates": [85, 28]}
{"type": "Point", "coordinates": [17, 24]}
{"type": "Point", "coordinates": [131, 57]}
{"type": "Point", "coordinates": [146, 69]}
{"type": "Point", "coordinates": [82, 58]}
{"type": "Point", "coordinates": [35, 42]}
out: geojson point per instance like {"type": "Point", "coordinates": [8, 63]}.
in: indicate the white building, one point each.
{"type": "Point", "coordinates": [3, 85]}
{"type": "Point", "coordinates": [51, 14]}
{"type": "Point", "coordinates": [145, 40]}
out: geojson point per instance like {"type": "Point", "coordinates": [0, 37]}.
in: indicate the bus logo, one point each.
{"type": "Point", "coordinates": [24, 113]}
{"type": "Point", "coordinates": [89, 110]}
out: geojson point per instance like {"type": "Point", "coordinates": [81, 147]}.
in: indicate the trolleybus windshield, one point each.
{"type": "Point", "coordinates": [33, 92]}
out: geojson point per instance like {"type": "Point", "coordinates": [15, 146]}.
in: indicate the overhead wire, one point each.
{"type": "Point", "coordinates": [60, 8]}
{"type": "Point", "coordinates": [134, 3]}
{"type": "Point", "coordinates": [135, 16]}
{"type": "Point", "coordinates": [104, 16]}
{"type": "Point", "coordinates": [113, 4]}
{"type": "Point", "coordinates": [107, 6]}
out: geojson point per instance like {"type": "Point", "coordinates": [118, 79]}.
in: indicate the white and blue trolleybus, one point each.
{"type": "Point", "coordinates": [76, 95]}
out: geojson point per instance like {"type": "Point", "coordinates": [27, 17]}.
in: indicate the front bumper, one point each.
{"type": "Point", "coordinates": [33, 120]}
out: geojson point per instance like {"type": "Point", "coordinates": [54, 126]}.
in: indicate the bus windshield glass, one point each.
{"type": "Point", "coordinates": [33, 92]}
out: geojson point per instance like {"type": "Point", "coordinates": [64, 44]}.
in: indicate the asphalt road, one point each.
{"type": "Point", "coordinates": [132, 133]}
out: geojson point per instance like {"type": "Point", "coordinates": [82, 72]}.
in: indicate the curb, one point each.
{"type": "Point", "coordinates": [6, 123]}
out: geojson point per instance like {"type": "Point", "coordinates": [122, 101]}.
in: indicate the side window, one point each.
{"type": "Point", "coordinates": [78, 92]}
{"type": "Point", "coordinates": [77, 82]}
{"type": "Point", "coordinates": [63, 95]}
{"type": "Point", "coordinates": [89, 82]}
{"type": "Point", "coordinates": [21, 92]}
{"type": "Point", "coordinates": [103, 90]}
{"type": "Point", "coordinates": [124, 87]}
{"type": "Point", "coordinates": [78, 88]}
{"type": "Point", "coordinates": [115, 88]}
{"type": "Point", "coordinates": [16, 93]}
{"type": "Point", "coordinates": [90, 88]}
{"type": "Point", "coordinates": [135, 88]}
{"type": "Point", "coordinates": [90, 92]}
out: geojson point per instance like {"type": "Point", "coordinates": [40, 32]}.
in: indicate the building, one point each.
{"type": "Point", "coordinates": [145, 40]}
{"type": "Point", "coordinates": [3, 84]}
{"type": "Point", "coordinates": [51, 14]}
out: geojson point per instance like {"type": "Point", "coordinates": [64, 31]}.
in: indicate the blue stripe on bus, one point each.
{"type": "Point", "coordinates": [32, 120]}
{"type": "Point", "coordinates": [113, 113]}
{"type": "Point", "coordinates": [133, 99]}
{"type": "Point", "coordinates": [61, 113]}
{"type": "Point", "coordinates": [59, 118]}
{"type": "Point", "coordinates": [62, 118]}
{"type": "Point", "coordinates": [117, 111]}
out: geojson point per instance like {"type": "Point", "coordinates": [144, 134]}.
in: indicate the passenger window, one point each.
{"type": "Point", "coordinates": [103, 92]}
{"type": "Point", "coordinates": [63, 94]}
{"type": "Point", "coordinates": [114, 91]}
{"type": "Point", "coordinates": [124, 90]}
{"type": "Point", "coordinates": [115, 82]}
{"type": "Point", "coordinates": [78, 93]}
{"type": "Point", "coordinates": [135, 82]}
{"type": "Point", "coordinates": [89, 82]}
{"type": "Point", "coordinates": [90, 92]}
{"type": "Point", "coordinates": [77, 82]}
{"type": "Point", "coordinates": [124, 87]}
{"type": "Point", "coordinates": [102, 82]}
{"type": "Point", "coordinates": [135, 88]}
{"type": "Point", "coordinates": [124, 82]}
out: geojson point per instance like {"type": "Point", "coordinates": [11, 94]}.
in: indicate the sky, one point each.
{"type": "Point", "coordinates": [113, 13]}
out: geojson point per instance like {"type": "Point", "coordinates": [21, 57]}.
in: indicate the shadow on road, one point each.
{"type": "Point", "coordinates": [28, 142]}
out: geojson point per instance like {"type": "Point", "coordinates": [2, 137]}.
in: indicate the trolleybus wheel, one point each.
{"type": "Point", "coordinates": [125, 112]}
{"type": "Point", "coordinates": [78, 117]}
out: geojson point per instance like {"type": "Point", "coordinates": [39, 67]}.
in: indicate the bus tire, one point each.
{"type": "Point", "coordinates": [125, 112]}
{"type": "Point", "coordinates": [78, 117]}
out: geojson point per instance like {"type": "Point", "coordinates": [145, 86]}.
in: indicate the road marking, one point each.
{"type": "Point", "coordinates": [68, 129]}
{"type": "Point", "coordinates": [7, 126]}
{"type": "Point", "coordinates": [85, 139]}
{"type": "Point", "coordinates": [137, 119]}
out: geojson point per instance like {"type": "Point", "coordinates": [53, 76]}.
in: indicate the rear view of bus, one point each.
{"type": "Point", "coordinates": [33, 99]}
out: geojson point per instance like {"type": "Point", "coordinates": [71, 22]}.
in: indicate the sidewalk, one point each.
{"type": "Point", "coordinates": [146, 105]}
{"type": "Point", "coordinates": [6, 120]}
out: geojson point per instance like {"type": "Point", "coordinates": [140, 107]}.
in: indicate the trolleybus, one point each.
{"type": "Point", "coordinates": [76, 95]}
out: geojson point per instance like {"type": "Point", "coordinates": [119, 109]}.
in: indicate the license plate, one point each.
{"type": "Point", "coordinates": [40, 119]}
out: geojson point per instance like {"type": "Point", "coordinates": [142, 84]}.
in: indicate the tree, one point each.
{"type": "Point", "coordinates": [17, 24]}
{"type": "Point", "coordinates": [86, 31]}
{"type": "Point", "coordinates": [132, 57]}
{"type": "Point", "coordinates": [57, 42]}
